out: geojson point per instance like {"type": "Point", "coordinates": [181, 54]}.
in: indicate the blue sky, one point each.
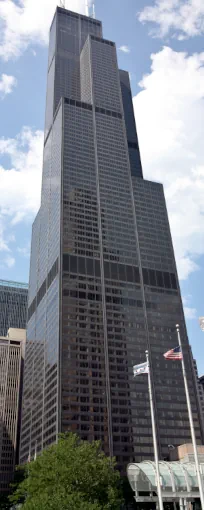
{"type": "Point", "coordinates": [160, 42]}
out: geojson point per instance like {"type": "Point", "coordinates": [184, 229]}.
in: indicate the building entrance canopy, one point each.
{"type": "Point", "coordinates": [178, 480]}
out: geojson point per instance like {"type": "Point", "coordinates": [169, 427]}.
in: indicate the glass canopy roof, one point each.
{"type": "Point", "coordinates": [175, 477]}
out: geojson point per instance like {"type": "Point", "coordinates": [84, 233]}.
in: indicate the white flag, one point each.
{"type": "Point", "coordinates": [143, 368]}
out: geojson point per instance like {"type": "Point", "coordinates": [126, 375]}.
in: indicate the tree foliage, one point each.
{"type": "Point", "coordinates": [5, 499]}
{"type": "Point", "coordinates": [71, 474]}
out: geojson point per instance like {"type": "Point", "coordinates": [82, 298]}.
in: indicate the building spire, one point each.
{"type": "Point", "coordinates": [87, 8]}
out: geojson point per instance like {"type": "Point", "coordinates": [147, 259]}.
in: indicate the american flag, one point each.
{"type": "Point", "coordinates": [175, 353]}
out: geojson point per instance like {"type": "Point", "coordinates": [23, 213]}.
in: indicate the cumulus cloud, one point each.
{"type": "Point", "coordinates": [190, 313]}
{"type": "Point", "coordinates": [9, 261]}
{"type": "Point", "coordinates": [25, 251]}
{"type": "Point", "coordinates": [19, 184]}
{"type": "Point", "coordinates": [169, 113]}
{"type": "Point", "coordinates": [27, 22]}
{"type": "Point", "coordinates": [7, 83]}
{"type": "Point", "coordinates": [179, 18]}
{"type": "Point", "coordinates": [124, 49]}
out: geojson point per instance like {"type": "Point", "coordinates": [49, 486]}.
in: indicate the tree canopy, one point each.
{"type": "Point", "coordinates": [72, 474]}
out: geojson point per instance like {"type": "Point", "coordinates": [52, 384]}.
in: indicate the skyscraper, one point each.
{"type": "Point", "coordinates": [103, 282]}
{"type": "Point", "coordinates": [12, 349]}
{"type": "Point", "coordinates": [199, 382]}
{"type": "Point", "coordinates": [13, 305]}
{"type": "Point", "coordinates": [201, 394]}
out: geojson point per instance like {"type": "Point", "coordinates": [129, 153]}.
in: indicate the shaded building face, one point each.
{"type": "Point", "coordinates": [103, 283]}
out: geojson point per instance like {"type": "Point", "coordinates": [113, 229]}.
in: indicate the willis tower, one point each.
{"type": "Point", "coordinates": [103, 283]}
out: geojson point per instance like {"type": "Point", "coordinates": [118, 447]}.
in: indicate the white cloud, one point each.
{"type": "Point", "coordinates": [169, 113]}
{"type": "Point", "coordinates": [3, 241]}
{"type": "Point", "coordinates": [180, 18]}
{"type": "Point", "coordinates": [28, 22]}
{"type": "Point", "coordinates": [124, 49]}
{"type": "Point", "coordinates": [20, 184]}
{"type": "Point", "coordinates": [7, 83]}
{"type": "Point", "coordinates": [190, 313]}
{"type": "Point", "coordinates": [9, 261]}
{"type": "Point", "coordinates": [25, 251]}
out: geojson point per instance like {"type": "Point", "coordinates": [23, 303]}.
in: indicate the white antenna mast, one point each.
{"type": "Point", "coordinates": [87, 8]}
{"type": "Point", "coordinates": [62, 3]}
{"type": "Point", "coordinates": [94, 12]}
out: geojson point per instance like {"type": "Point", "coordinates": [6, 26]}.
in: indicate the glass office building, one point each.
{"type": "Point", "coordinates": [103, 283]}
{"type": "Point", "coordinates": [12, 349]}
{"type": "Point", "coordinates": [13, 305]}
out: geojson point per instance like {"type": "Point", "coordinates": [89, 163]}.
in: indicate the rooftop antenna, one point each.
{"type": "Point", "coordinates": [87, 8]}
{"type": "Point", "coordinates": [62, 3]}
{"type": "Point", "coordinates": [94, 12]}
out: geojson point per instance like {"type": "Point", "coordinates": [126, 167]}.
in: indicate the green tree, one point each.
{"type": "Point", "coordinates": [71, 474]}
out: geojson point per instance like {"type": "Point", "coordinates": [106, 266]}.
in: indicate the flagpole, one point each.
{"type": "Point", "coordinates": [156, 456]}
{"type": "Point", "coordinates": [200, 485]}
{"type": "Point", "coordinates": [35, 455]}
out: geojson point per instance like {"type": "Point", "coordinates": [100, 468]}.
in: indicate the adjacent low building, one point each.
{"type": "Point", "coordinates": [199, 382]}
{"type": "Point", "coordinates": [13, 305]}
{"type": "Point", "coordinates": [184, 453]}
{"type": "Point", "coordinates": [178, 480]}
{"type": "Point", "coordinates": [12, 349]}
{"type": "Point", "coordinates": [201, 393]}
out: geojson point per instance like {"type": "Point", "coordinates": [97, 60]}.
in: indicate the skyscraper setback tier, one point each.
{"type": "Point", "coordinates": [103, 283]}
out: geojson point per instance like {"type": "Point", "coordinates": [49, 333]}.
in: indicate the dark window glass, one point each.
{"type": "Point", "coordinates": [73, 264]}
{"type": "Point", "coordinates": [89, 266]}
{"type": "Point", "coordinates": [41, 292]}
{"type": "Point", "coordinates": [167, 283]}
{"type": "Point", "coordinates": [106, 269]}
{"type": "Point", "coordinates": [97, 268]}
{"type": "Point", "coordinates": [81, 265]}
{"type": "Point", "coordinates": [114, 271]}
{"type": "Point", "coordinates": [152, 277]}
{"type": "Point", "coordinates": [136, 275]}
{"type": "Point", "coordinates": [122, 272]}
{"type": "Point", "coordinates": [145, 276]}
{"type": "Point", "coordinates": [82, 295]}
{"type": "Point", "coordinates": [129, 273]}
{"type": "Point", "coordinates": [159, 278]}
{"type": "Point", "coordinates": [74, 293]}
{"type": "Point", "coordinates": [65, 262]}
{"type": "Point", "coordinates": [139, 303]}
{"type": "Point", "coordinates": [173, 281]}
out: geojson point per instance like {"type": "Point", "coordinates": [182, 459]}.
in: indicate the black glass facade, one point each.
{"type": "Point", "coordinates": [103, 282]}
{"type": "Point", "coordinates": [13, 305]}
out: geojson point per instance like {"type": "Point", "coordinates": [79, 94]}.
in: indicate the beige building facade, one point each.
{"type": "Point", "coordinates": [12, 349]}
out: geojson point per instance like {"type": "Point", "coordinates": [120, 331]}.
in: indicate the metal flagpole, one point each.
{"type": "Point", "coordinates": [156, 457]}
{"type": "Point", "coordinates": [35, 455]}
{"type": "Point", "coordinates": [200, 485]}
